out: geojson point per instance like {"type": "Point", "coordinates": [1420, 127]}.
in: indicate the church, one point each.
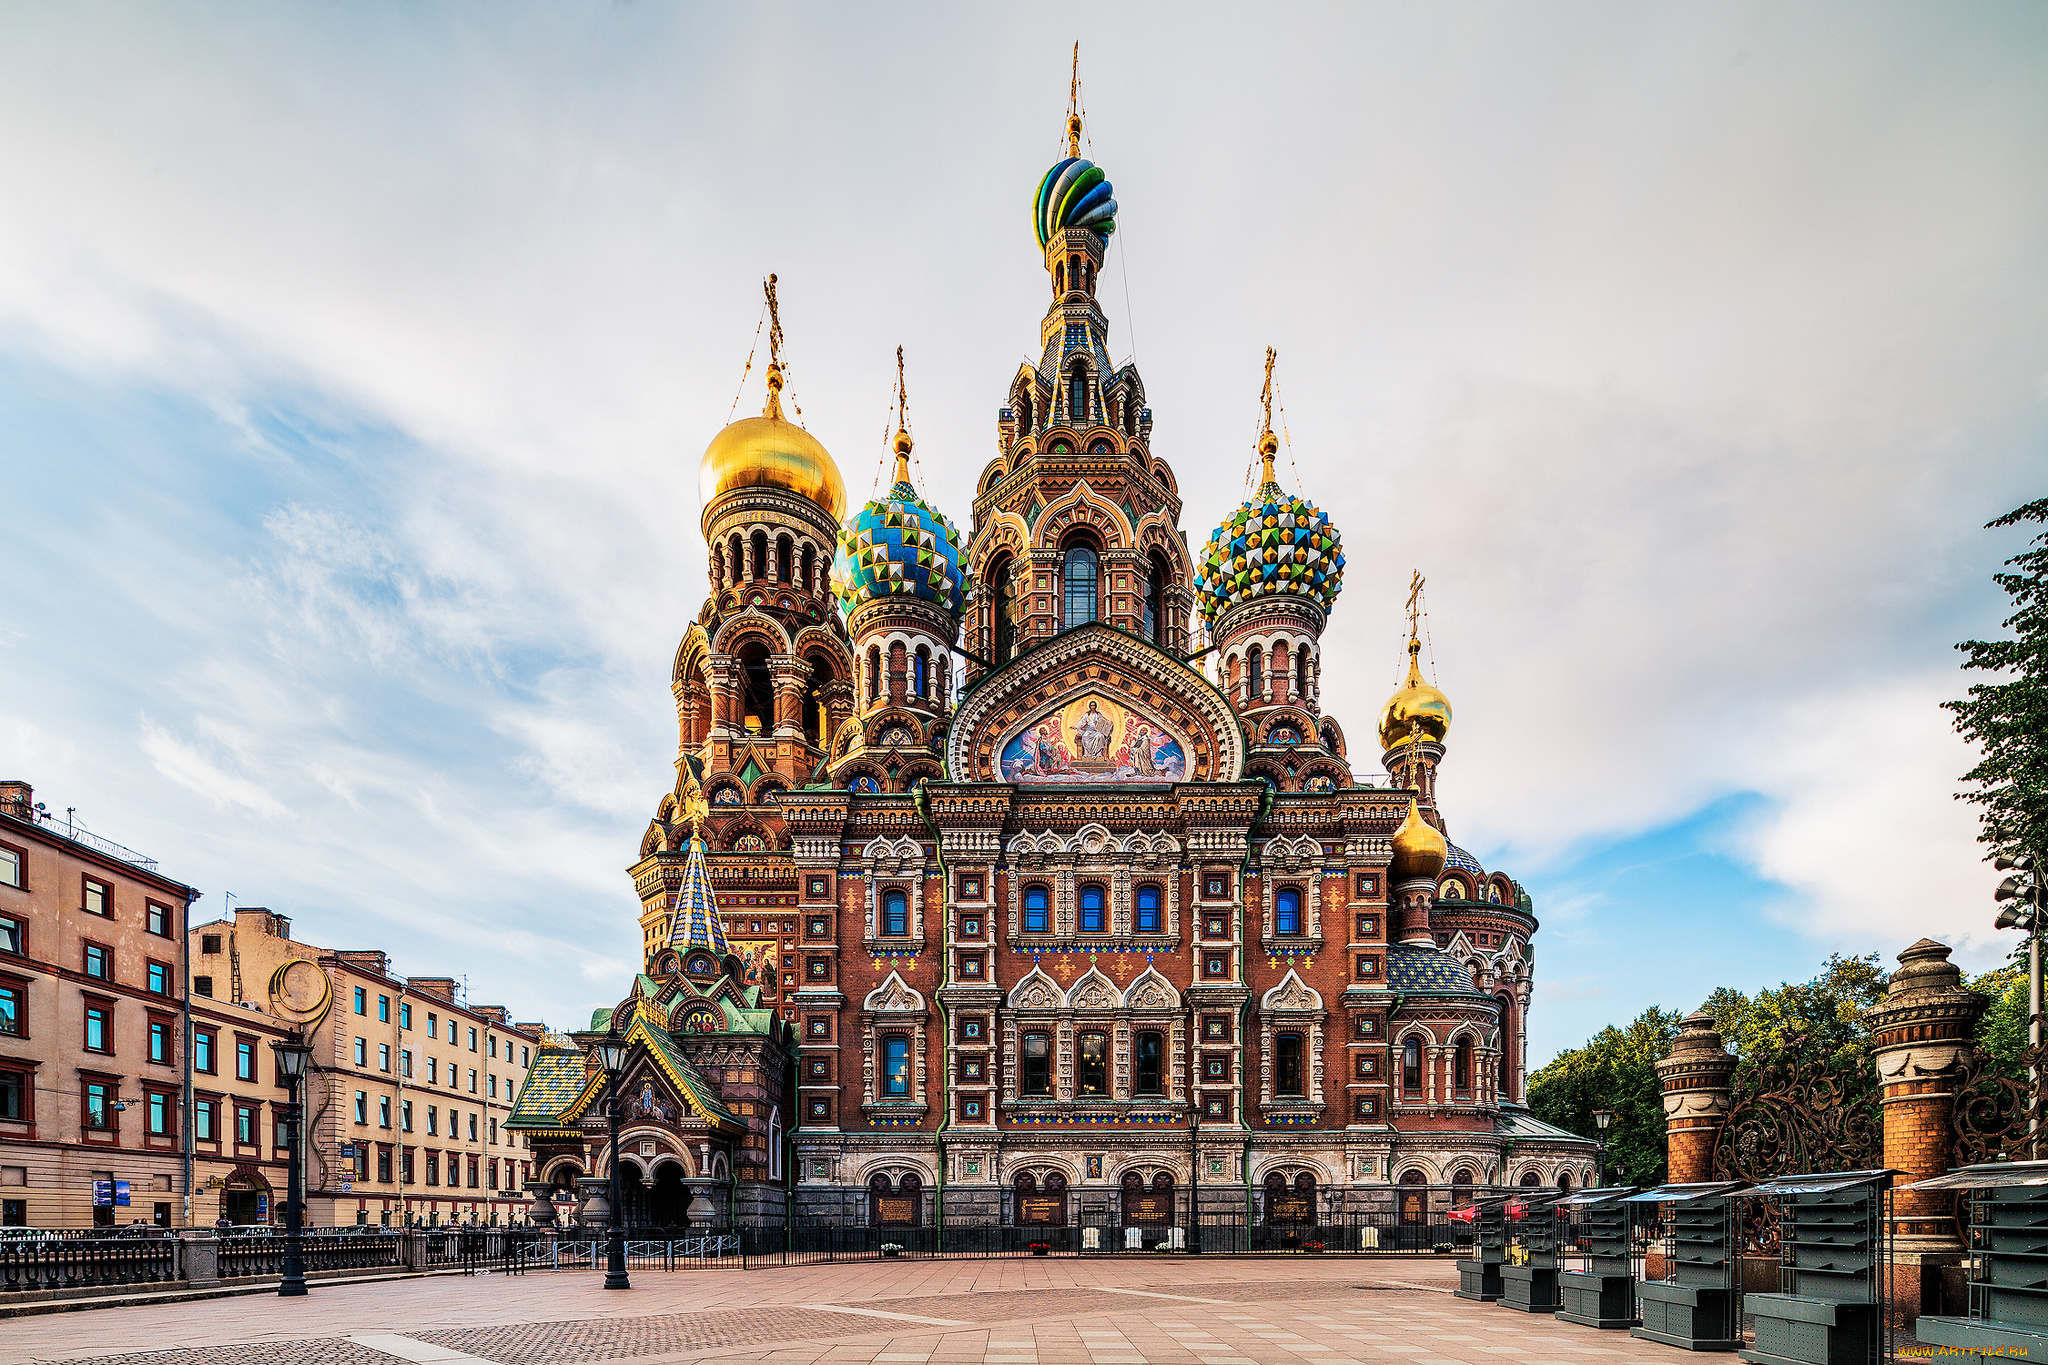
{"type": "Point", "coordinates": [1016, 874]}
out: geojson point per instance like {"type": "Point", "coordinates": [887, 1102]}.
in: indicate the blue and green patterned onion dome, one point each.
{"type": "Point", "coordinates": [900, 546]}
{"type": "Point", "coordinates": [1276, 543]}
{"type": "Point", "coordinates": [1074, 193]}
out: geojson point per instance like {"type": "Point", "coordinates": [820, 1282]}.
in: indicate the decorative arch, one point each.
{"type": "Point", "coordinates": [1082, 508]}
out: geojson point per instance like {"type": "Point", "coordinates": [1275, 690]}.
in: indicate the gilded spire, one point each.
{"type": "Point", "coordinates": [773, 408]}
{"type": "Point", "coordinates": [1418, 711]}
{"type": "Point", "coordinates": [903, 442]}
{"type": "Point", "coordinates": [1074, 105]}
{"type": "Point", "coordinates": [1269, 445]}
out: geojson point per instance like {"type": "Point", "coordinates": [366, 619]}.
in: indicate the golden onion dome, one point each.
{"type": "Point", "coordinates": [769, 452]}
{"type": "Point", "coordinates": [1420, 848]}
{"type": "Point", "coordinates": [1417, 710]}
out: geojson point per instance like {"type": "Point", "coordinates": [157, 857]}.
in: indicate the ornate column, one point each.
{"type": "Point", "coordinates": [1921, 1041]}
{"type": "Point", "coordinates": [1695, 1078]}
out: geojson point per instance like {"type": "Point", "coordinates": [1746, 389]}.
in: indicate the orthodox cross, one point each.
{"type": "Point", "coordinates": [774, 324]}
{"type": "Point", "coordinates": [1414, 607]}
{"type": "Point", "coordinates": [1074, 105]}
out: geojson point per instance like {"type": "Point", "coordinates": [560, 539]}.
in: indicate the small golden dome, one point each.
{"type": "Point", "coordinates": [1417, 710]}
{"type": "Point", "coordinates": [1419, 848]}
{"type": "Point", "coordinates": [769, 452]}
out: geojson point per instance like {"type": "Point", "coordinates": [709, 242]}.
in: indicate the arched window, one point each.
{"type": "Point", "coordinates": [1155, 604]}
{"type": "Point", "coordinates": [1461, 1065]}
{"type": "Point", "coordinates": [760, 554]}
{"type": "Point", "coordinates": [1255, 675]}
{"type": "Point", "coordinates": [810, 563]}
{"type": "Point", "coordinates": [896, 1066]}
{"type": "Point", "coordinates": [1287, 911]}
{"type": "Point", "coordinates": [1077, 398]}
{"type": "Point", "coordinates": [1507, 1047]}
{"type": "Point", "coordinates": [1091, 909]}
{"type": "Point", "coordinates": [782, 559]}
{"type": "Point", "coordinates": [1564, 1180]}
{"type": "Point", "coordinates": [895, 913]}
{"type": "Point", "coordinates": [757, 688]}
{"type": "Point", "coordinates": [738, 554]}
{"type": "Point", "coordinates": [1059, 277]}
{"type": "Point", "coordinates": [1287, 1064]}
{"type": "Point", "coordinates": [1301, 673]}
{"type": "Point", "coordinates": [1461, 1187]}
{"type": "Point", "coordinates": [1079, 574]}
{"type": "Point", "coordinates": [1148, 910]}
{"type": "Point", "coordinates": [1036, 912]}
{"type": "Point", "coordinates": [1411, 1067]}
{"type": "Point", "coordinates": [1022, 406]}
{"type": "Point", "coordinates": [874, 672]}
{"type": "Point", "coordinates": [921, 675]}
{"type": "Point", "coordinates": [1002, 609]}
{"type": "Point", "coordinates": [1037, 1078]}
{"type": "Point", "coordinates": [817, 718]}
{"type": "Point", "coordinates": [1091, 1064]}
{"type": "Point", "coordinates": [1151, 1053]}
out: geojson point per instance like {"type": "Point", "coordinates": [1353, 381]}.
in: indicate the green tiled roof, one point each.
{"type": "Point", "coordinates": [552, 1084]}
{"type": "Point", "coordinates": [1517, 1122]}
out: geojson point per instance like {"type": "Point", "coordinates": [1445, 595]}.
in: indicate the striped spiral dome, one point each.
{"type": "Point", "coordinates": [1074, 193]}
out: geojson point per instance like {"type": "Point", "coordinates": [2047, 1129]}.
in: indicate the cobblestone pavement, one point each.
{"type": "Point", "coordinates": [1050, 1311]}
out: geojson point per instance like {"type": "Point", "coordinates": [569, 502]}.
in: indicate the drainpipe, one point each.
{"type": "Point", "coordinates": [921, 801]}
{"type": "Point", "coordinates": [186, 1148]}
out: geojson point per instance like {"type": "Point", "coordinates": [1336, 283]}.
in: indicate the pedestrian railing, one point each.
{"type": "Point", "coordinates": [86, 1263]}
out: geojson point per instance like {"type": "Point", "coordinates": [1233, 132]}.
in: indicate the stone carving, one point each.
{"type": "Point", "coordinates": [1152, 992]}
{"type": "Point", "coordinates": [894, 996]}
{"type": "Point", "coordinates": [1292, 994]}
{"type": "Point", "coordinates": [1094, 992]}
{"type": "Point", "coordinates": [1036, 992]}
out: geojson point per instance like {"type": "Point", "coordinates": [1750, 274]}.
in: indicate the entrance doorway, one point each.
{"type": "Point", "coordinates": [668, 1199]}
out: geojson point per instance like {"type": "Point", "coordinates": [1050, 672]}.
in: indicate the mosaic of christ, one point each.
{"type": "Point", "coordinates": [1093, 738]}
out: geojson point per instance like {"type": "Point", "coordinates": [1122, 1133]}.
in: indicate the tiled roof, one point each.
{"type": "Point", "coordinates": [552, 1083]}
{"type": "Point", "coordinates": [694, 916]}
{"type": "Point", "coordinates": [1411, 967]}
{"type": "Point", "coordinates": [1464, 862]}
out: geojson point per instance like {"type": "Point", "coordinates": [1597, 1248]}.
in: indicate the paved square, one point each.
{"type": "Point", "coordinates": [1051, 1311]}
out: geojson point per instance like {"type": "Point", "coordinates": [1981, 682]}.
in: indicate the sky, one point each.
{"type": "Point", "coordinates": [356, 363]}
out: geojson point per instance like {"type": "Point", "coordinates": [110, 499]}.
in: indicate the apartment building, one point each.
{"type": "Point", "coordinates": [407, 1093]}
{"type": "Point", "coordinates": [92, 1018]}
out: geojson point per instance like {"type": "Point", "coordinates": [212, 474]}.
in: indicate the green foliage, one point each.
{"type": "Point", "coordinates": [2002, 1032]}
{"type": "Point", "coordinates": [2008, 720]}
{"type": "Point", "coordinates": [1616, 1069]}
{"type": "Point", "coordinates": [1826, 1012]}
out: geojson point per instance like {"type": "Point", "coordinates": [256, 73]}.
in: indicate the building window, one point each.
{"type": "Point", "coordinates": [99, 898]}
{"type": "Point", "coordinates": [99, 962]}
{"type": "Point", "coordinates": [1091, 909]}
{"type": "Point", "coordinates": [1037, 1064]}
{"type": "Point", "coordinates": [1091, 1063]}
{"type": "Point", "coordinates": [1079, 574]}
{"type": "Point", "coordinates": [433, 1072]}
{"type": "Point", "coordinates": [245, 1125]}
{"type": "Point", "coordinates": [404, 1014]}
{"type": "Point", "coordinates": [384, 1164]}
{"type": "Point", "coordinates": [895, 913]}
{"type": "Point", "coordinates": [434, 1168]}
{"type": "Point", "coordinates": [1151, 1050]}
{"type": "Point", "coordinates": [202, 1050]}
{"type": "Point", "coordinates": [13, 1012]}
{"type": "Point", "coordinates": [363, 1107]}
{"type": "Point", "coordinates": [1036, 912]}
{"type": "Point", "coordinates": [202, 1122]}
{"type": "Point", "coordinates": [362, 1001]}
{"type": "Point", "coordinates": [1287, 1064]}
{"type": "Point", "coordinates": [434, 1121]}
{"type": "Point", "coordinates": [383, 1009]}
{"type": "Point", "coordinates": [472, 1040]}
{"type": "Point", "coordinates": [158, 1109]}
{"type": "Point", "coordinates": [1411, 1066]}
{"type": "Point", "coordinates": [98, 1034]}
{"type": "Point", "coordinates": [434, 1025]}
{"type": "Point", "coordinates": [245, 1060]}
{"type": "Point", "coordinates": [920, 673]}
{"type": "Point", "coordinates": [159, 1041]}
{"type": "Point", "coordinates": [896, 1067]}
{"type": "Point", "coordinates": [383, 1111]}
{"type": "Point", "coordinates": [157, 919]}
{"type": "Point", "coordinates": [405, 1115]}
{"type": "Point", "coordinates": [10, 866]}
{"type": "Point", "coordinates": [1255, 674]}
{"type": "Point", "coordinates": [362, 1052]}
{"type": "Point", "coordinates": [203, 985]}
{"type": "Point", "coordinates": [159, 979]}
{"type": "Point", "coordinates": [384, 1057]}
{"type": "Point", "coordinates": [13, 936]}
{"type": "Point", "coordinates": [99, 1105]}
{"type": "Point", "coordinates": [1148, 910]}
{"type": "Point", "coordinates": [14, 1094]}
{"type": "Point", "coordinates": [1461, 1065]}
{"type": "Point", "coordinates": [1287, 912]}
{"type": "Point", "coordinates": [405, 1171]}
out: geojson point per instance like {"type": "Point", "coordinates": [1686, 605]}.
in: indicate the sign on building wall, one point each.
{"type": "Point", "coordinates": [110, 1194]}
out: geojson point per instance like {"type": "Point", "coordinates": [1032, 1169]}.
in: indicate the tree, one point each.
{"type": "Point", "coordinates": [1616, 1069]}
{"type": "Point", "coordinates": [1824, 1014]}
{"type": "Point", "coordinates": [2008, 721]}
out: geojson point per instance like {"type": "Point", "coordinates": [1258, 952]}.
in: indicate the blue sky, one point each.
{"type": "Point", "coordinates": [354, 368]}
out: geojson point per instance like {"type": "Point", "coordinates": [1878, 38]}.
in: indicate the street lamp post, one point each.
{"type": "Point", "coordinates": [292, 1054]}
{"type": "Point", "coordinates": [611, 1053]}
{"type": "Point", "coordinates": [1601, 1118]}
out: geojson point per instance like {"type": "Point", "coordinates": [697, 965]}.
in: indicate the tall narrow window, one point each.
{"type": "Point", "coordinates": [895, 913]}
{"type": "Point", "coordinates": [1037, 1077]}
{"type": "Point", "coordinates": [1461, 1065]}
{"type": "Point", "coordinates": [1091, 909]}
{"type": "Point", "coordinates": [1036, 914]}
{"type": "Point", "coordinates": [1002, 609]}
{"type": "Point", "coordinates": [874, 673]}
{"type": "Point", "coordinates": [782, 573]}
{"type": "Point", "coordinates": [1300, 673]}
{"type": "Point", "coordinates": [1079, 574]}
{"type": "Point", "coordinates": [1411, 1066]}
{"type": "Point", "coordinates": [921, 679]}
{"type": "Point", "coordinates": [1287, 1064]}
{"type": "Point", "coordinates": [896, 1066]}
{"type": "Point", "coordinates": [1151, 1050]}
{"type": "Point", "coordinates": [1287, 912]}
{"type": "Point", "coordinates": [1148, 910]}
{"type": "Point", "coordinates": [1155, 604]}
{"type": "Point", "coordinates": [1091, 1064]}
{"type": "Point", "coordinates": [1255, 674]}
{"type": "Point", "coordinates": [760, 554]}
{"type": "Point", "coordinates": [1077, 398]}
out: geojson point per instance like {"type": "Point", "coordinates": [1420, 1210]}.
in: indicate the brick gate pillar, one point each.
{"type": "Point", "coordinates": [1695, 1078]}
{"type": "Point", "coordinates": [1922, 1041]}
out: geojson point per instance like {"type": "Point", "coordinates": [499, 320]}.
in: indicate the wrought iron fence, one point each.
{"type": "Point", "coordinates": [86, 1262]}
